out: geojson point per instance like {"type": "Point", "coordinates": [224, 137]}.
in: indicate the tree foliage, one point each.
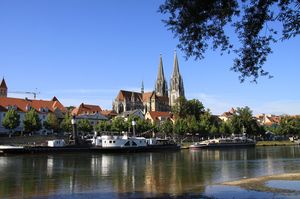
{"type": "Point", "coordinates": [66, 124]}
{"type": "Point", "coordinates": [200, 24]}
{"type": "Point", "coordinates": [103, 126]}
{"type": "Point", "coordinates": [52, 122]}
{"type": "Point", "coordinates": [288, 125]}
{"type": "Point", "coordinates": [32, 122]}
{"type": "Point", "coordinates": [119, 125]}
{"type": "Point", "coordinates": [84, 126]}
{"type": "Point", "coordinates": [11, 120]}
{"type": "Point", "coordinates": [244, 122]}
{"type": "Point", "coordinates": [166, 128]}
{"type": "Point", "coordinates": [185, 108]}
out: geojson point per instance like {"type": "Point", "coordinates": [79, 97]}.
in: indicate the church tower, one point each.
{"type": "Point", "coordinates": [176, 83]}
{"type": "Point", "coordinates": [3, 89]}
{"type": "Point", "coordinates": [161, 87]}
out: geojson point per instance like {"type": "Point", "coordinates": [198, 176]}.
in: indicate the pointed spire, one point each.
{"type": "Point", "coordinates": [160, 75]}
{"type": "Point", "coordinates": [142, 88]}
{"type": "Point", "coordinates": [176, 67]}
{"type": "Point", "coordinates": [3, 84]}
{"type": "Point", "coordinates": [161, 88]}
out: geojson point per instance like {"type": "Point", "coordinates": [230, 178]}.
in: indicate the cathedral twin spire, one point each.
{"type": "Point", "coordinates": [161, 87]}
{"type": "Point", "coordinates": [176, 83]}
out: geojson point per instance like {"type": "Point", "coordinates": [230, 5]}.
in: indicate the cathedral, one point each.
{"type": "Point", "coordinates": [161, 99]}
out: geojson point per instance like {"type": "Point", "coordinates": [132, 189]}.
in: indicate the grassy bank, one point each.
{"type": "Point", "coordinates": [275, 143]}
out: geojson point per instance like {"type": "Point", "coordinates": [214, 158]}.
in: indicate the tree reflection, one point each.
{"type": "Point", "coordinates": [143, 174]}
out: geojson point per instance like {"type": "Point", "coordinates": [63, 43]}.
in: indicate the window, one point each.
{"type": "Point", "coordinates": [114, 141]}
{"type": "Point", "coordinates": [133, 143]}
{"type": "Point", "coordinates": [127, 143]}
{"type": "Point", "coordinates": [110, 141]}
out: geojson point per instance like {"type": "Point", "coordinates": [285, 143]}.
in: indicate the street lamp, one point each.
{"type": "Point", "coordinates": [73, 122]}
{"type": "Point", "coordinates": [133, 127]}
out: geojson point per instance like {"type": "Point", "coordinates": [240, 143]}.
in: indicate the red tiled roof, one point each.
{"type": "Point", "coordinates": [128, 94]}
{"type": "Point", "coordinates": [147, 96]}
{"type": "Point", "coordinates": [108, 113]}
{"type": "Point", "coordinates": [86, 109]}
{"type": "Point", "coordinates": [155, 114]}
{"type": "Point", "coordinates": [22, 104]}
{"type": "Point", "coordinates": [3, 84]}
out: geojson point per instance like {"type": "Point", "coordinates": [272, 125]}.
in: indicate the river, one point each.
{"type": "Point", "coordinates": [182, 174]}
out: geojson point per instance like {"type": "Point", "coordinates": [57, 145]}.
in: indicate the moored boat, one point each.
{"type": "Point", "coordinates": [224, 142]}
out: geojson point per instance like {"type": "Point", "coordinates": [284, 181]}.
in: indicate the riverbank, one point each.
{"type": "Point", "coordinates": [30, 140]}
{"type": "Point", "coordinates": [260, 183]}
{"type": "Point", "coordinates": [275, 143]}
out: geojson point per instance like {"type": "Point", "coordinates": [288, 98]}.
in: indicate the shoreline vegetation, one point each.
{"type": "Point", "coordinates": [259, 183]}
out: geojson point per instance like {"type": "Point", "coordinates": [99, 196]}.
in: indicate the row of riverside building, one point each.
{"type": "Point", "coordinates": [152, 105]}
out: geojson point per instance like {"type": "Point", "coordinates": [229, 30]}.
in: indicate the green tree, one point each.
{"type": "Point", "coordinates": [103, 126]}
{"type": "Point", "coordinates": [180, 107]}
{"type": "Point", "coordinates": [243, 121]}
{"type": "Point", "coordinates": [199, 24]}
{"type": "Point", "coordinates": [225, 128]}
{"type": "Point", "coordinates": [84, 126]}
{"type": "Point", "coordinates": [186, 108]}
{"type": "Point", "coordinates": [194, 108]}
{"type": "Point", "coordinates": [180, 127]}
{"type": "Point", "coordinates": [66, 124]}
{"type": "Point", "coordinates": [32, 122]}
{"type": "Point", "coordinates": [143, 126]}
{"type": "Point", "coordinates": [52, 122]}
{"type": "Point", "coordinates": [193, 126]}
{"type": "Point", "coordinates": [166, 128]}
{"type": "Point", "coordinates": [11, 120]}
{"type": "Point", "coordinates": [205, 123]}
{"type": "Point", "coordinates": [119, 125]}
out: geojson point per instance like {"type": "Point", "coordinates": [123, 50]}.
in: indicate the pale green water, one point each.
{"type": "Point", "coordinates": [183, 174]}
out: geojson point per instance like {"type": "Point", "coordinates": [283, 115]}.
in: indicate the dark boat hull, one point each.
{"type": "Point", "coordinates": [72, 149]}
{"type": "Point", "coordinates": [222, 146]}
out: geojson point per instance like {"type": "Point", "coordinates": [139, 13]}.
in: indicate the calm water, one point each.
{"type": "Point", "coordinates": [167, 174]}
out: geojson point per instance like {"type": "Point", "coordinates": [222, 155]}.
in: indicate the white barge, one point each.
{"type": "Point", "coordinates": [224, 142]}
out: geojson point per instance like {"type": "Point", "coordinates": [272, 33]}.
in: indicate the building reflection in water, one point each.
{"type": "Point", "coordinates": [147, 174]}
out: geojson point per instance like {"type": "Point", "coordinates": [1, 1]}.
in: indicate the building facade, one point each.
{"type": "Point", "coordinates": [90, 112]}
{"type": "Point", "coordinates": [22, 106]}
{"type": "Point", "coordinates": [161, 99]}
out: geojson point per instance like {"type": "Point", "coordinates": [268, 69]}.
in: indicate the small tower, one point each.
{"type": "Point", "coordinates": [142, 88]}
{"type": "Point", "coordinates": [161, 87]}
{"type": "Point", "coordinates": [3, 88]}
{"type": "Point", "coordinates": [176, 83]}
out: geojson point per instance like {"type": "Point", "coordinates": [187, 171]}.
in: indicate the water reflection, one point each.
{"type": "Point", "coordinates": [143, 174]}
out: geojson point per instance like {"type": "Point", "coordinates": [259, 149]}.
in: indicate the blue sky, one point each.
{"type": "Point", "coordinates": [86, 51]}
